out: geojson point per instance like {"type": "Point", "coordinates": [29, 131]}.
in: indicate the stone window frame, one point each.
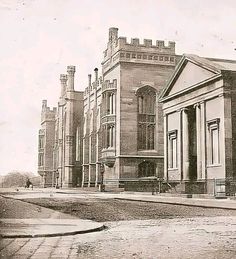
{"type": "Point", "coordinates": [41, 159]}
{"type": "Point", "coordinates": [110, 135]}
{"type": "Point", "coordinates": [173, 150]}
{"type": "Point", "coordinates": [146, 117]}
{"type": "Point", "coordinates": [41, 141]}
{"type": "Point", "coordinates": [213, 128]}
{"type": "Point", "coordinates": [78, 144]}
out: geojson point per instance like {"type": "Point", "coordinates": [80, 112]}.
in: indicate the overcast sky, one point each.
{"type": "Point", "coordinates": [39, 38]}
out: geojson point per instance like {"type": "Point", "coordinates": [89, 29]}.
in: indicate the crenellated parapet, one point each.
{"type": "Point", "coordinates": [109, 85]}
{"type": "Point", "coordinates": [47, 114]}
{"type": "Point", "coordinates": [120, 50]}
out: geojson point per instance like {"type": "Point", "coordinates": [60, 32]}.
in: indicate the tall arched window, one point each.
{"type": "Point", "coordinates": [146, 169]}
{"type": "Point", "coordinates": [78, 144]}
{"type": "Point", "coordinates": [146, 118]}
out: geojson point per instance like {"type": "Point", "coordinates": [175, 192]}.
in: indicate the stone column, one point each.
{"type": "Point", "coordinates": [165, 147]}
{"type": "Point", "coordinates": [63, 79]}
{"type": "Point", "coordinates": [185, 144]}
{"type": "Point", "coordinates": [203, 139]}
{"type": "Point", "coordinates": [69, 130]}
{"type": "Point", "coordinates": [83, 169]}
{"type": "Point", "coordinates": [90, 153]}
{"type": "Point", "coordinates": [198, 134]}
{"type": "Point", "coordinates": [179, 139]}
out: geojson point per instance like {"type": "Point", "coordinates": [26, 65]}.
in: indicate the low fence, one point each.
{"type": "Point", "coordinates": [214, 187]}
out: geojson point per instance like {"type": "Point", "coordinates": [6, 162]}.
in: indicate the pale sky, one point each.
{"type": "Point", "coordinates": [39, 38]}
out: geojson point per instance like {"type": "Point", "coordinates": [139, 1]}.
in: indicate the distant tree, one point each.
{"type": "Point", "coordinates": [18, 179]}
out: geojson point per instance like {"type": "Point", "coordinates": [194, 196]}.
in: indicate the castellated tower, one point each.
{"type": "Point", "coordinates": [134, 74]}
{"type": "Point", "coordinates": [68, 133]}
{"type": "Point", "coordinates": [45, 145]}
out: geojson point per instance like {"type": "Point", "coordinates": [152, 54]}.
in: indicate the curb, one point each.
{"type": "Point", "coordinates": [178, 203]}
{"type": "Point", "coordinates": [103, 227]}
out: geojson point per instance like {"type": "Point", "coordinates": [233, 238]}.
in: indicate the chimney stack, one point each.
{"type": "Point", "coordinates": [63, 79]}
{"type": "Point", "coordinates": [96, 74]}
{"type": "Point", "coordinates": [71, 74]}
{"type": "Point", "coordinates": [89, 80]}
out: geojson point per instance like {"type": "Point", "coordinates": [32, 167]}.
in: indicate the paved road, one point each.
{"type": "Point", "coordinates": [212, 234]}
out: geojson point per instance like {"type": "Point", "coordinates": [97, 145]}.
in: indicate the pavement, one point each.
{"type": "Point", "coordinates": [27, 228]}
{"type": "Point", "coordinates": [60, 226]}
{"type": "Point", "coordinates": [42, 223]}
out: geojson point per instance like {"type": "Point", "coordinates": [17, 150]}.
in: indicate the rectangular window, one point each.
{"type": "Point", "coordinates": [213, 142]}
{"type": "Point", "coordinates": [40, 162]}
{"type": "Point", "coordinates": [110, 136]}
{"type": "Point", "coordinates": [146, 119]}
{"type": "Point", "coordinates": [172, 158]}
{"type": "Point", "coordinates": [78, 146]}
{"type": "Point", "coordinates": [41, 141]}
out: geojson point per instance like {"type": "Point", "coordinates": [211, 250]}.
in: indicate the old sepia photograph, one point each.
{"type": "Point", "coordinates": [117, 129]}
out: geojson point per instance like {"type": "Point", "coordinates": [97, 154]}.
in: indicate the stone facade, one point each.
{"type": "Point", "coordinates": [69, 132]}
{"type": "Point", "coordinates": [118, 118]}
{"type": "Point", "coordinates": [199, 118]}
{"type": "Point", "coordinates": [45, 145]}
{"type": "Point", "coordinates": [134, 74]}
{"type": "Point", "coordinates": [66, 130]}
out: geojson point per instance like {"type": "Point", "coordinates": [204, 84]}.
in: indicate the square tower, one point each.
{"type": "Point", "coordinates": [131, 119]}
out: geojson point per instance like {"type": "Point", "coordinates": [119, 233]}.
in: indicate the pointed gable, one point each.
{"type": "Point", "coordinates": [191, 74]}
{"type": "Point", "coordinates": [191, 71]}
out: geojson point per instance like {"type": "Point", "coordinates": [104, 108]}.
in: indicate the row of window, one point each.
{"type": "Point", "coordinates": [146, 118]}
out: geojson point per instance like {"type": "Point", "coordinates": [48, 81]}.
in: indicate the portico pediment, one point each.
{"type": "Point", "coordinates": [189, 73]}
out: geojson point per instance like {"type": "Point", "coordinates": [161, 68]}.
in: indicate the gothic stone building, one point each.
{"type": "Point", "coordinates": [121, 126]}
{"type": "Point", "coordinates": [65, 143]}
{"type": "Point", "coordinates": [199, 105]}
{"type": "Point", "coordinates": [129, 116]}
{"type": "Point", "coordinates": [45, 145]}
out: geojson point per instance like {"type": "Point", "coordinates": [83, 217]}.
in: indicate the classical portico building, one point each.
{"type": "Point", "coordinates": [199, 106]}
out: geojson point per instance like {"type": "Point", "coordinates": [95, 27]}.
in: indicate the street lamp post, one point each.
{"type": "Point", "coordinates": [57, 178]}
{"type": "Point", "coordinates": [102, 169]}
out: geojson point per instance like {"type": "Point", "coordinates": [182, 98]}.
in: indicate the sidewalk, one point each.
{"type": "Point", "coordinates": [27, 228]}
{"type": "Point", "coordinates": [23, 220]}
{"type": "Point", "coordinates": [225, 203]}
{"type": "Point", "coordinates": [208, 203]}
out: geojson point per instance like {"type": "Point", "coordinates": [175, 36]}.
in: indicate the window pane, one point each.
{"type": "Point", "coordinates": [174, 153]}
{"type": "Point", "coordinates": [215, 146]}
{"type": "Point", "coordinates": [146, 118]}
